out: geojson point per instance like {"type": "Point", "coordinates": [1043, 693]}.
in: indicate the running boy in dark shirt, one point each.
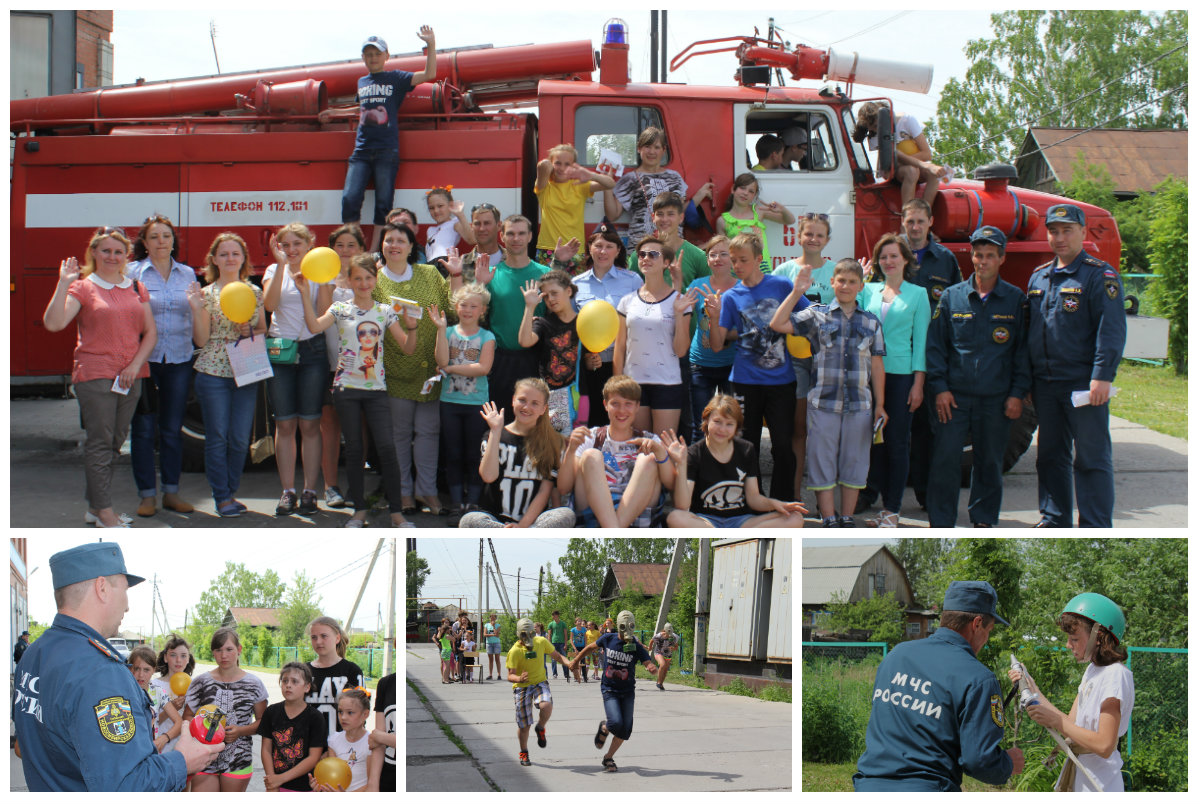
{"type": "Point", "coordinates": [376, 155]}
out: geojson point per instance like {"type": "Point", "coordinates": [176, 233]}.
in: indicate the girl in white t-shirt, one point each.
{"type": "Point", "coordinates": [359, 389]}
{"type": "Point", "coordinates": [1100, 713]}
{"type": "Point", "coordinates": [449, 224]}
{"type": "Point", "coordinates": [351, 743]}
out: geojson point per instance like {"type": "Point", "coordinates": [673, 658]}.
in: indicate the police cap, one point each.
{"type": "Point", "coordinates": [976, 597]}
{"type": "Point", "coordinates": [1065, 213]}
{"type": "Point", "coordinates": [89, 561]}
{"type": "Point", "coordinates": [989, 234]}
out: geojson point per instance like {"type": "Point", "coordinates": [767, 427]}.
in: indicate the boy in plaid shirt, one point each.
{"type": "Point", "coordinates": [847, 394]}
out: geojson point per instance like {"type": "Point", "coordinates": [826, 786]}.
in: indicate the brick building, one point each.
{"type": "Point", "coordinates": [56, 52]}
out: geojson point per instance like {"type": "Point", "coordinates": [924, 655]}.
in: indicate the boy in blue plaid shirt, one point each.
{"type": "Point", "coordinates": [847, 394]}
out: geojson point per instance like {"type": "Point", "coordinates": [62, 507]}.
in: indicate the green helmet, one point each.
{"type": "Point", "coordinates": [1099, 609]}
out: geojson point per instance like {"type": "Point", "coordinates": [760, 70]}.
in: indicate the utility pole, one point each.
{"type": "Point", "coordinates": [390, 644]}
{"type": "Point", "coordinates": [541, 572]}
{"type": "Point", "coordinates": [212, 34]}
{"type": "Point", "coordinates": [366, 577]}
{"type": "Point", "coordinates": [153, 607]}
{"type": "Point", "coordinates": [500, 588]}
{"type": "Point", "coordinates": [700, 644]}
{"type": "Point", "coordinates": [518, 591]}
{"type": "Point", "coordinates": [479, 600]}
{"type": "Point", "coordinates": [654, 45]}
{"type": "Point", "coordinates": [669, 589]}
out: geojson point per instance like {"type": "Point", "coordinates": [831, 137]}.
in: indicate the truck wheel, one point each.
{"type": "Point", "coordinates": [1020, 436]}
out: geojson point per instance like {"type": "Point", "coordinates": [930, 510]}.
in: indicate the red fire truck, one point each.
{"type": "Point", "coordinates": [246, 152]}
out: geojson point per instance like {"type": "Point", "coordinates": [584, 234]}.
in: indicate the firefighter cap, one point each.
{"type": "Point", "coordinates": [989, 234]}
{"type": "Point", "coordinates": [375, 42]}
{"type": "Point", "coordinates": [974, 597]}
{"type": "Point", "coordinates": [88, 561]}
{"type": "Point", "coordinates": [1065, 213]}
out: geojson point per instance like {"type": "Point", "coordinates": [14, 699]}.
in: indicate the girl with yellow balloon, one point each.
{"type": "Point", "coordinates": [227, 309]}
{"type": "Point", "coordinates": [348, 758]}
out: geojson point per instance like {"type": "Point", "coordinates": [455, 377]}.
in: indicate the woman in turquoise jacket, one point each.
{"type": "Point", "coordinates": [903, 307]}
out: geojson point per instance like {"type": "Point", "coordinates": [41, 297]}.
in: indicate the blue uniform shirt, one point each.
{"type": "Point", "coordinates": [937, 269]}
{"type": "Point", "coordinates": [978, 346]}
{"type": "Point", "coordinates": [82, 721]}
{"type": "Point", "coordinates": [936, 712]}
{"type": "Point", "coordinates": [1076, 321]}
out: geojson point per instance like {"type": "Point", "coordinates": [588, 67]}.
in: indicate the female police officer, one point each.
{"type": "Point", "coordinates": [82, 722]}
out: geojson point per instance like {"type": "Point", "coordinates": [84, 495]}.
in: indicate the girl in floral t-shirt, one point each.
{"type": "Point", "coordinates": [359, 390]}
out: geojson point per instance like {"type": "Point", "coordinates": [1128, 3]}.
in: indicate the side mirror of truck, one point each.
{"type": "Point", "coordinates": [885, 168]}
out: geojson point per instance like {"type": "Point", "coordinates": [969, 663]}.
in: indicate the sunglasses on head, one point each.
{"type": "Point", "coordinates": [649, 254]}
{"type": "Point", "coordinates": [816, 216]}
{"type": "Point", "coordinates": [487, 206]}
{"type": "Point", "coordinates": [107, 230]}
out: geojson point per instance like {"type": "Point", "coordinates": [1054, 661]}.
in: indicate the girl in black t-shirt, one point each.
{"type": "Point", "coordinates": [557, 342]}
{"type": "Point", "coordinates": [716, 479]}
{"type": "Point", "coordinates": [331, 671]}
{"type": "Point", "coordinates": [293, 733]}
{"type": "Point", "coordinates": [519, 465]}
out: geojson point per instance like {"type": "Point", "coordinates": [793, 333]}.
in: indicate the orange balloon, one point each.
{"type": "Point", "coordinates": [180, 683]}
{"type": "Point", "coordinates": [320, 265]}
{"type": "Point", "coordinates": [333, 771]}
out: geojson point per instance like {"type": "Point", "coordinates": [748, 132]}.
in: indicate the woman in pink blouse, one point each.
{"type": "Point", "coordinates": [116, 335]}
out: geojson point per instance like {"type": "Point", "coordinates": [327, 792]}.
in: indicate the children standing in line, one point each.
{"type": "Point", "coordinates": [383, 738]}
{"type": "Point", "coordinates": [332, 672]}
{"type": "Point", "coordinates": [176, 657]}
{"type": "Point", "coordinates": [243, 698]}
{"type": "Point", "coordinates": [360, 390]}
{"type": "Point", "coordinates": [557, 340]}
{"type": "Point", "coordinates": [449, 224]}
{"type": "Point", "coordinates": [743, 211]}
{"type": "Point", "coordinates": [293, 733]}
{"type": "Point", "coordinates": [847, 394]}
{"type": "Point", "coordinates": [464, 355]}
{"type": "Point", "coordinates": [376, 155]}
{"type": "Point", "coordinates": [563, 187]}
{"type": "Point", "coordinates": [616, 471]}
{"type": "Point", "coordinates": [519, 465]}
{"type": "Point", "coordinates": [762, 376]}
{"type": "Point", "coordinates": [351, 744]}
{"type": "Point", "coordinates": [716, 478]}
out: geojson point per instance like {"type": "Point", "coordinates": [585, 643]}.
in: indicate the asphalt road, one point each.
{"type": "Point", "coordinates": [684, 739]}
{"type": "Point", "coordinates": [46, 484]}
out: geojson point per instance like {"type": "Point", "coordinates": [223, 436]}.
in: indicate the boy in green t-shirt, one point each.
{"type": "Point", "coordinates": [527, 672]}
{"type": "Point", "coordinates": [558, 638]}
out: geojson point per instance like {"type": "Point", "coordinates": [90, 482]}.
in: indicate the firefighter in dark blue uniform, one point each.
{"type": "Point", "coordinates": [1076, 338]}
{"type": "Point", "coordinates": [977, 373]}
{"type": "Point", "coordinates": [82, 722]}
{"type": "Point", "coordinates": [936, 711]}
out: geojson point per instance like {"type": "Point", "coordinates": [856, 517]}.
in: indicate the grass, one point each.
{"type": "Point", "coordinates": [1152, 396]}
{"type": "Point", "coordinates": [818, 777]}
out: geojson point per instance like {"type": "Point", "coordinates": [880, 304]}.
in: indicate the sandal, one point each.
{"type": "Point", "coordinates": [408, 505]}
{"type": "Point", "coordinates": [609, 765]}
{"type": "Point", "coordinates": [601, 735]}
{"type": "Point", "coordinates": [432, 506]}
{"type": "Point", "coordinates": [884, 519]}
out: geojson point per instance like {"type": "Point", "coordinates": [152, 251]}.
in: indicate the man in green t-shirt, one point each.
{"type": "Point", "coordinates": [558, 638]}
{"type": "Point", "coordinates": [527, 672]}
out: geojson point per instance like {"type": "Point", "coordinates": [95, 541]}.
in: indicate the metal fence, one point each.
{"type": "Point", "coordinates": [1160, 682]}
{"type": "Point", "coordinates": [843, 651]}
{"type": "Point", "coordinates": [369, 659]}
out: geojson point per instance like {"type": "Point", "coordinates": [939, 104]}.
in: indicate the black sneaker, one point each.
{"type": "Point", "coordinates": [308, 503]}
{"type": "Point", "coordinates": [846, 522]}
{"type": "Point", "coordinates": [831, 522]}
{"type": "Point", "coordinates": [287, 504]}
{"type": "Point", "coordinates": [524, 755]}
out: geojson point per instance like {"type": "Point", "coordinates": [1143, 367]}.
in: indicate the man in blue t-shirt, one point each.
{"type": "Point", "coordinates": [376, 155]}
{"type": "Point", "coordinates": [618, 654]}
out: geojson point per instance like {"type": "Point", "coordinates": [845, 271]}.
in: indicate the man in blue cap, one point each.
{"type": "Point", "coordinates": [977, 373]}
{"type": "Point", "coordinates": [1076, 339]}
{"type": "Point", "coordinates": [82, 722]}
{"type": "Point", "coordinates": [937, 711]}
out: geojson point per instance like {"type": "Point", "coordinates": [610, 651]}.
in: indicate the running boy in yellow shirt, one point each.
{"type": "Point", "coordinates": [527, 672]}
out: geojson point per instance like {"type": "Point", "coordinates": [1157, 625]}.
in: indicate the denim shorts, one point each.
{"type": "Point", "coordinates": [803, 368]}
{"type": "Point", "coordinates": [297, 390]}
{"type": "Point", "coordinates": [726, 521]}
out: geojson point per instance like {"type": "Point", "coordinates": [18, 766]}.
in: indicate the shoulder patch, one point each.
{"type": "Point", "coordinates": [997, 711]}
{"type": "Point", "coordinates": [115, 718]}
{"type": "Point", "coordinates": [1111, 288]}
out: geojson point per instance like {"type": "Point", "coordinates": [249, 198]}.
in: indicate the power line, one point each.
{"type": "Point", "coordinates": [868, 29]}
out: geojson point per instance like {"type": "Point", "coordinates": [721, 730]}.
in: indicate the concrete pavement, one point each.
{"type": "Point", "coordinates": [684, 739]}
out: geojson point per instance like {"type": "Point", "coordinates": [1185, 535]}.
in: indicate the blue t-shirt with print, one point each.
{"type": "Point", "coordinates": [762, 355]}
{"type": "Point", "coordinates": [379, 97]}
{"type": "Point", "coordinates": [617, 666]}
{"type": "Point", "coordinates": [458, 388]}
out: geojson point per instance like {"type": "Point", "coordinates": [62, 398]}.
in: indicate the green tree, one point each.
{"type": "Point", "coordinates": [238, 586]}
{"type": "Point", "coordinates": [1037, 68]}
{"type": "Point", "coordinates": [299, 608]}
{"type": "Point", "coordinates": [584, 566]}
{"type": "Point", "coordinates": [1092, 184]}
{"type": "Point", "coordinates": [997, 561]}
{"type": "Point", "coordinates": [922, 559]}
{"type": "Point", "coordinates": [416, 572]}
{"type": "Point", "coordinates": [1169, 259]}
{"type": "Point", "coordinates": [882, 615]}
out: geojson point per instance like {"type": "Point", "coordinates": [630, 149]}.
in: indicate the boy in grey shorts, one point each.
{"type": "Point", "coordinates": [847, 394]}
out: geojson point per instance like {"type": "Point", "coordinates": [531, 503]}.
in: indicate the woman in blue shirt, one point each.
{"type": "Point", "coordinates": [167, 281]}
{"type": "Point", "coordinates": [903, 307]}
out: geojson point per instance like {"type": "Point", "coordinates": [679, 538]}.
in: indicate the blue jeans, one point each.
{"type": "Point", "coordinates": [228, 416]}
{"type": "Point", "coordinates": [561, 647]}
{"type": "Point", "coordinates": [706, 381]}
{"type": "Point", "coordinates": [1061, 479]}
{"type": "Point", "coordinates": [172, 381]}
{"type": "Point", "coordinates": [618, 709]}
{"type": "Point", "coordinates": [983, 417]}
{"type": "Point", "coordinates": [462, 433]}
{"type": "Point", "coordinates": [889, 460]}
{"type": "Point", "coordinates": [379, 165]}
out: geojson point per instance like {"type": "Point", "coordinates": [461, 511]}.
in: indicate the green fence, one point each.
{"type": "Point", "coordinates": [1160, 683]}
{"type": "Point", "coordinates": [369, 659]}
{"type": "Point", "coordinates": [844, 651]}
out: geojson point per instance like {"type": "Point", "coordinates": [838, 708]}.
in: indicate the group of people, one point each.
{"type": "Point", "coordinates": [87, 719]}
{"type": "Point", "coordinates": [465, 368]}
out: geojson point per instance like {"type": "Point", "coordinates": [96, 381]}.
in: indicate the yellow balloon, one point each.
{"type": "Point", "coordinates": [333, 771]}
{"type": "Point", "coordinates": [907, 147]}
{"type": "Point", "coordinates": [320, 265]}
{"type": "Point", "coordinates": [597, 325]}
{"type": "Point", "coordinates": [798, 346]}
{"type": "Point", "coordinates": [238, 302]}
{"type": "Point", "coordinates": [180, 683]}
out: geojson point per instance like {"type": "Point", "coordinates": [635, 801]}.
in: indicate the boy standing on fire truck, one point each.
{"type": "Point", "coordinates": [376, 155]}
